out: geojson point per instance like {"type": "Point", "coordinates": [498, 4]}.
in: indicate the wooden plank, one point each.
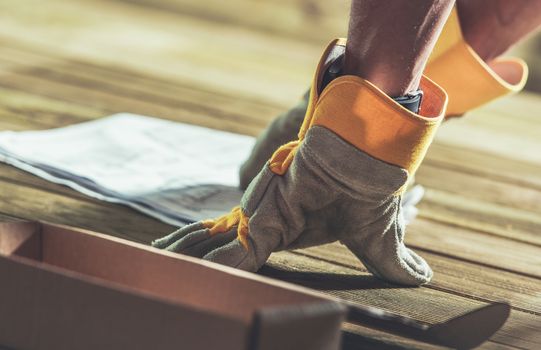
{"type": "Point", "coordinates": [249, 64]}
{"type": "Point", "coordinates": [166, 34]}
{"type": "Point", "coordinates": [360, 338]}
{"type": "Point", "coordinates": [477, 214]}
{"type": "Point", "coordinates": [522, 107]}
{"type": "Point", "coordinates": [423, 304]}
{"type": "Point", "coordinates": [484, 164]}
{"type": "Point", "coordinates": [456, 277]}
{"type": "Point", "coordinates": [487, 189]}
{"type": "Point", "coordinates": [128, 81]}
{"type": "Point", "coordinates": [208, 104]}
{"type": "Point", "coordinates": [118, 220]}
{"type": "Point", "coordinates": [501, 135]}
{"type": "Point", "coordinates": [480, 203]}
{"type": "Point", "coordinates": [31, 111]}
{"type": "Point", "coordinates": [305, 20]}
{"type": "Point", "coordinates": [475, 246]}
{"type": "Point", "coordinates": [116, 104]}
{"type": "Point", "coordinates": [87, 88]}
{"type": "Point", "coordinates": [355, 337]}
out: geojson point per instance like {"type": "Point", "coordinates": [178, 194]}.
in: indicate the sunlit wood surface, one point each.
{"type": "Point", "coordinates": [234, 65]}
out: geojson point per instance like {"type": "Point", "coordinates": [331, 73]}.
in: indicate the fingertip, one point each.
{"type": "Point", "coordinates": [164, 242]}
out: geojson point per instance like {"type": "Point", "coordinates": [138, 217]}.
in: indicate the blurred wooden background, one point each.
{"type": "Point", "coordinates": [310, 20]}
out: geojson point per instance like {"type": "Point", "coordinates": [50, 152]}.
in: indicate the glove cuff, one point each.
{"type": "Point", "coordinates": [481, 83]}
{"type": "Point", "coordinates": [333, 50]}
{"type": "Point", "coordinates": [364, 116]}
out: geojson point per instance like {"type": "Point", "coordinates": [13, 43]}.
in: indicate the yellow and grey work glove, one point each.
{"type": "Point", "coordinates": [342, 179]}
{"type": "Point", "coordinates": [331, 191]}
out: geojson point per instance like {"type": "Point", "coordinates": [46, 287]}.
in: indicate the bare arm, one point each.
{"type": "Point", "coordinates": [389, 42]}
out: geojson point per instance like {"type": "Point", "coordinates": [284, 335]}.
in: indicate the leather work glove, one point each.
{"type": "Point", "coordinates": [452, 55]}
{"type": "Point", "coordinates": [342, 179]}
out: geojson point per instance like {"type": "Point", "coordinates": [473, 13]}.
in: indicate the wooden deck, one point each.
{"type": "Point", "coordinates": [64, 62]}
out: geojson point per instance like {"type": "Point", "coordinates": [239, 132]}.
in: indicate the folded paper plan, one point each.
{"type": "Point", "coordinates": [162, 168]}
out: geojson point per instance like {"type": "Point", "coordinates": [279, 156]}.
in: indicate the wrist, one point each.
{"type": "Point", "coordinates": [410, 99]}
{"type": "Point", "coordinates": [393, 81]}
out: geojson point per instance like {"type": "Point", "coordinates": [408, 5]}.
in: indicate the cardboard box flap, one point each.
{"type": "Point", "coordinates": [207, 285]}
{"type": "Point", "coordinates": [42, 309]}
{"type": "Point", "coordinates": [107, 292]}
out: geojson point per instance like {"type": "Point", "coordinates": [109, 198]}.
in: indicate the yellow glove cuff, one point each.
{"type": "Point", "coordinates": [363, 115]}
{"type": "Point", "coordinates": [468, 80]}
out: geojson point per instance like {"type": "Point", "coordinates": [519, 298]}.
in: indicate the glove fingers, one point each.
{"type": "Point", "coordinates": [415, 266]}
{"type": "Point", "coordinates": [166, 241]}
{"type": "Point", "coordinates": [235, 255]}
{"type": "Point", "coordinates": [389, 259]}
{"type": "Point", "coordinates": [405, 268]}
{"type": "Point", "coordinates": [201, 247]}
{"type": "Point", "coordinates": [187, 241]}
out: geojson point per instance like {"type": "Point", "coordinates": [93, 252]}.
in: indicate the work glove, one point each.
{"type": "Point", "coordinates": [342, 180]}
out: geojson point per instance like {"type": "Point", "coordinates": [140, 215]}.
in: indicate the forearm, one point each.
{"type": "Point", "coordinates": [389, 42]}
{"type": "Point", "coordinates": [491, 27]}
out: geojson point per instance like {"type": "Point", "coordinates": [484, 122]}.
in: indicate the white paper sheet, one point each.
{"type": "Point", "coordinates": [175, 172]}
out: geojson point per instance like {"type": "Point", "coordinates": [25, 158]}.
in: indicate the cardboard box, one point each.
{"type": "Point", "coordinates": [62, 288]}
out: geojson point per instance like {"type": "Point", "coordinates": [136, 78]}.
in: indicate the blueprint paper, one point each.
{"type": "Point", "coordinates": [175, 172]}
